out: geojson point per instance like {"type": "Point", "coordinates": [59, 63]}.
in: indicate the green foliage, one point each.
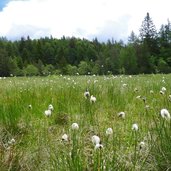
{"type": "Point", "coordinates": [71, 70]}
{"type": "Point", "coordinates": [39, 144]}
{"type": "Point", "coordinates": [84, 68]}
{"type": "Point", "coordinates": [128, 60]}
{"type": "Point", "coordinates": [142, 54]}
{"type": "Point", "coordinates": [31, 70]}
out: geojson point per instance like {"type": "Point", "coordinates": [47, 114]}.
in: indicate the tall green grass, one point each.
{"type": "Point", "coordinates": [38, 139]}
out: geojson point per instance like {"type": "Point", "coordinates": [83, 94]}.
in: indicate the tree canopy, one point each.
{"type": "Point", "coordinates": [148, 52]}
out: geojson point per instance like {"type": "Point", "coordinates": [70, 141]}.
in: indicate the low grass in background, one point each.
{"type": "Point", "coordinates": [29, 140]}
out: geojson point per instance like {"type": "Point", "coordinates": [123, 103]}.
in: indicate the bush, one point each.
{"type": "Point", "coordinates": [31, 70]}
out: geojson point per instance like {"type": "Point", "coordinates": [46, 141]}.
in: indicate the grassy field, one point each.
{"type": "Point", "coordinates": [139, 138]}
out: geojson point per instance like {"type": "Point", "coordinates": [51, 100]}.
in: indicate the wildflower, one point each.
{"type": "Point", "coordinates": [165, 113]}
{"type": "Point", "coordinates": [121, 114]}
{"type": "Point", "coordinates": [92, 99]}
{"type": "Point", "coordinates": [12, 141]}
{"type": "Point", "coordinates": [170, 97]}
{"type": "Point", "coordinates": [144, 99]}
{"type": "Point", "coordinates": [30, 106]}
{"type": "Point", "coordinates": [109, 131]}
{"type": "Point", "coordinates": [50, 107]}
{"type": "Point", "coordinates": [162, 92]}
{"type": "Point", "coordinates": [141, 144]}
{"type": "Point", "coordinates": [98, 146]}
{"type": "Point", "coordinates": [151, 91]}
{"type": "Point", "coordinates": [147, 106]}
{"type": "Point", "coordinates": [138, 97]}
{"type": "Point", "coordinates": [86, 94]}
{"type": "Point", "coordinates": [163, 81]}
{"type": "Point", "coordinates": [65, 137]}
{"type": "Point", "coordinates": [95, 139]}
{"type": "Point", "coordinates": [124, 85]}
{"type": "Point", "coordinates": [74, 126]}
{"type": "Point", "coordinates": [135, 89]}
{"type": "Point", "coordinates": [48, 113]}
{"type": "Point", "coordinates": [135, 127]}
{"type": "Point", "coordinates": [163, 89]}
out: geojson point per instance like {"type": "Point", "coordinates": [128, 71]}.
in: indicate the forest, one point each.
{"type": "Point", "coordinates": [146, 53]}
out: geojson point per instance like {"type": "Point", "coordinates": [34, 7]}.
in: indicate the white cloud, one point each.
{"type": "Point", "coordinates": [80, 18]}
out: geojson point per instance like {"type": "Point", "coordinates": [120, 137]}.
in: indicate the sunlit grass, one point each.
{"type": "Point", "coordinates": [38, 137]}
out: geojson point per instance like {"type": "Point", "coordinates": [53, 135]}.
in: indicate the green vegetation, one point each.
{"type": "Point", "coordinates": [30, 140]}
{"type": "Point", "coordinates": [148, 52]}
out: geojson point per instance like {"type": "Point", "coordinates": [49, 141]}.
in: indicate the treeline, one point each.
{"type": "Point", "coordinates": [148, 52]}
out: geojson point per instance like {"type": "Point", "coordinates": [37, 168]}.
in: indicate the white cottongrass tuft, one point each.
{"type": "Point", "coordinates": [50, 107]}
{"type": "Point", "coordinates": [98, 146]}
{"type": "Point", "coordinates": [165, 114]}
{"type": "Point", "coordinates": [162, 92]}
{"type": "Point", "coordinates": [109, 131]}
{"type": "Point", "coordinates": [121, 114]}
{"type": "Point", "coordinates": [135, 90]}
{"type": "Point", "coordinates": [135, 127]}
{"type": "Point", "coordinates": [163, 89]}
{"type": "Point", "coordinates": [86, 94]}
{"type": "Point", "coordinates": [138, 97]}
{"type": "Point", "coordinates": [124, 85]}
{"type": "Point", "coordinates": [74, 126]}
{"type": "Point", "coordinates": [151, 91]}
{"type": "Point", "coordinates": [12, 141]}
{"type": "Point", "coordinates": [95, 139]}
{"type": "Point", "coordinates": [30, 106]}
{"type": "Point", "coordinates": [65, 137]}
{"type": "Point", "coordinates": [48, 113]}
{"type": "Point", "coordinates": [170, 97]}
{"type": "Point", "coordinates": [142, 144]}
{"type": "Point", "coordinates": [92, 99]}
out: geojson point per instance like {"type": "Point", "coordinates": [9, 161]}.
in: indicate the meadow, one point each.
{"type": "Point", "coordinates": [85, 123]}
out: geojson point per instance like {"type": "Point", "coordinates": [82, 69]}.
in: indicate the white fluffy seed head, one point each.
{"type": "Point", "coordinates": [165, 114]}
{"type": "Point", "coordinates": [95, 139]}
{"type": "Point", "coordinates": [30, 106]}
{"type": "Point", "coordinates": [65, 137]}
{"type": "Point", "coordinates": [74, 126]}
{"type": "Point", "coordinates": [142, 144]}
{"type": "Point", "coordinates": [163, 89]}
{"type": "Point", "coordinates": [121, 114]}
{"type": "Point", "coordinates": [98, 146]}
{"type": "Point", "coordinates": [86, 94]}
{"type": "Point", "coordinates": [92, 99]}
{"type": "Point", "coordinates": [109, 131]}
{"type": "Point", "coordinates": [48, 113]}
{"type": "Point", "coordinates": [151, 91]}
{"type": "Point", "coordinates": [135, 127]}
{"type": "Point", "coordinates": [12, 141]}
{"type": "Point", "coordinates": [50, 107]}
{"type": "Point", "coordinates": [162, 92]}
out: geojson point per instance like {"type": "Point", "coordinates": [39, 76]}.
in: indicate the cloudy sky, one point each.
{"type": "Point", "coordinates": [104, 19]}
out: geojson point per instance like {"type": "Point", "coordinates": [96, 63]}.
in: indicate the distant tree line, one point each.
{"type": "Point", "coordinates": [149, 52]}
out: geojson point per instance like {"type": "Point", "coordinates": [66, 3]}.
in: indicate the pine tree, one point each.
{"type": "Point", "coordinates": [148, 30]}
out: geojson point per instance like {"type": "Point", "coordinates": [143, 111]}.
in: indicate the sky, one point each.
{"type": "Point", "coordinates": [104, 19]}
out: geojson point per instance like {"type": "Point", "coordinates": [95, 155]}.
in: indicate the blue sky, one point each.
{"type": "Point", "coordinates": [104, 19]}
{"type": "Point", "coordinates": [3, 3]}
